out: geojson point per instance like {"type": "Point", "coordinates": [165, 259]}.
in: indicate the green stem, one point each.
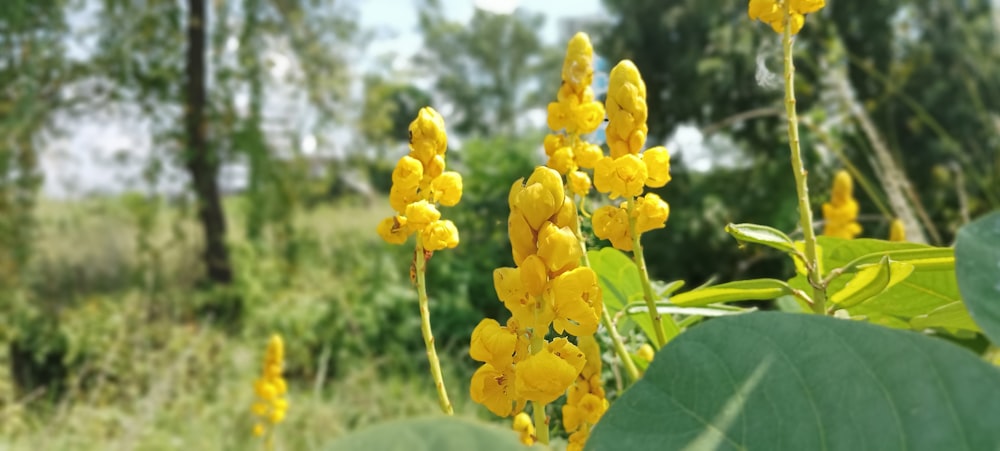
{"type": "Point", "coordinates": [801, 187]}
{"type": "Point", "coordinates": [616, 340]}
{"type": "Point", "coordinates": [647, 288]}
{"type": "Point", "coordinates": [420, 263]}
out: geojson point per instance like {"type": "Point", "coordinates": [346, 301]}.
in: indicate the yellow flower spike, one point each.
{"type": "Point", "coordinates": [522, 237]}
{"type": "Point", "coordinates": [657, 161]}
{"type": "Point", "coordinates": [394, 230]}
{"type": "Point", "coordinates": [543, 377]}
{"type": "Point", "coordinates": [623, 176]}
{"type": "Point", "coordinates": [626, 110]}
{"type": "Point", "coordinates": [440, 234]}
{"type": "Point", "coordinates": [651, 213]}
{"type": "Point", "coordinates": [611, 223]}
{"type": "Point", "coordinates": [408, 172]}
{"type": "Point", "coordinates": [562, 348]}
{"type": "Point", "coordinates": [420, 214]}
{"type": "Point", "coordinates": [579, 183]}
{"type": "Point", "coordinates": [525, 428]}
{"type": "Point", "coordinates": [896, 231]}
{"type": "Point", "coordinates": [427, 135]}
{"type": "Point", "coordinates": [566, 216]}
{"type": "Point", "coordinates": [841, 213]}
{"type": "Point", "coordinates": [533, 274]}
{"type": "Point", "coordinates": [270, 407]}
{"type": "Point", "coordinates": [558, 247]}
{"type": "Point", "coordinates": [447, 189]}
{"type": "Point", "coordinates": [493, 344]}
{"type": "Point", "coordinates": [576, 301]}
{"type": "Point", "coordinates": [494, 388]}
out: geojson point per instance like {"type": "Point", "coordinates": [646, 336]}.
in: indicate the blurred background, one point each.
{"type": "Point", "coordinates": [181, 178]}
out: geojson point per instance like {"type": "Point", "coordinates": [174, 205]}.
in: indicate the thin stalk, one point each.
{"type": "Point", "coordinates": [420, 263]}
{"type": "Point", "coordinates": [801, 187]}
{"type": "Point", "coordinates": [616, 340]}
{"type": "Point", "coordinates": [647, 288]}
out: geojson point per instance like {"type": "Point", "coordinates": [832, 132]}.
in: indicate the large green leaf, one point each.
{"type": "Point", "coordinates": [780, 381]}
{"type": "Point", "coordinates": [431, 434]}
{"type": "Point", "coordinates": [930, 286]}
{"type": "Point", "coordinates": [977, 267]}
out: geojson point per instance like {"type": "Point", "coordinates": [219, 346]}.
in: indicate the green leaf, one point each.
{"type": "Point", "coordinates": [619, 280]}
{"type": "Point", "coordinates": [743, 290]}
{"type": "Point", "coordinates": [761, 234]}
{"type": "Point", "coordinates": [779, 381]}
{"type": "Point", "coordinates": [977, 267]}
{"type": "Point", "coordinates": [431, 434]}
{"type": "Point", "coordinates": [932, 284]}
{"type": "Point", "coordinates": [871, 281]}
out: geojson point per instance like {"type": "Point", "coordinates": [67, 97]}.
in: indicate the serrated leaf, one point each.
{"type": "Point", "coordinates": [977, 267]}
{"type": "Point", "coordinates": [778, 381]}
{"type": "Point", "coordinates": [761, 234]}
{"type": "Point", "coordinates": [432, 434]}
{"type": "Point", "coordinates": [743, 290]}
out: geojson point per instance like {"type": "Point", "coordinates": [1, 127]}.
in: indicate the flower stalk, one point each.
{"type": "Point", "coordinates": [798, 169]}
{"type": "Point", "coordinates": [420, 269]}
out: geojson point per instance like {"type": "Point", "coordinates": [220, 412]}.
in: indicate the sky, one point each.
{"type": "Point", "coordinates": [88, 158]}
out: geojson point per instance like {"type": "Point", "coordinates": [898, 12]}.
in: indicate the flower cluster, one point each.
{"type": "Point", "coordinates": [626, 172]}
{"type": "Point", "coordinates": [585, 400]}
{"type": "Point", "coordinates": [576, 112]}
{"type": "Point", "coordinates": [271, 405]}
{"type": "Point", "coordinates": [841, 213]}
{"type": "Point", "coordinates": [772, 12]}
{"type": "Point", "coordinates": [419, 184]}
{"type": "Point", "coordinates": [548, 288]}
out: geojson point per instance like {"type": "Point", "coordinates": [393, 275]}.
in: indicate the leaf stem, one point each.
{"type": "Point", "coordinates": [420, 265]}
{"type": "Point", "coordinates": [798, 170]}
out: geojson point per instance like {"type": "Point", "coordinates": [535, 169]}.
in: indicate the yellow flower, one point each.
{"type": "Point", "coordinates": [896, 231]}
{"type": "Point", "coordinates": [562, 160]}
{"type": "Point", "coordinates": [586, 118]}
{"type": "Point", "coordinates": [446, 189]}
{"type": "Point", "coordinates": [493, 344]}
{"type": "Point", "coordinates": [558, 248]}
{"type": "Point", "coordinates": [394, 230]}
{"type": "Point", "coordinates": [525, 428]}
{"type": "Point", "coordinates": [622, 176]}
{"type": "Point", "coordinates": [270, 406]}
{"type": "Point", "coordinates": [562, 348]}
{"type": "Point", "coordinates": [577, 440]}
{"type": "Point", "coordinates": [587, 154]}
{"type": "Point", "coordinates": [772, 12]}
{"type": "Point", "coordinates": [543, 377]}
{"type": "Point", "coordinates": [579, 183]}
{"type": "Point", "coordinates": [533, 274]}
{"type": "Point", "coordinates": [528, 310]}
{"type": "Point", "coordinates": [566, 216]}
{"type": "Point", "coordinates": [439, 235]}
{"type": "Point", "coordinates": [522, 237]}
{"type": "Point", "coordinates": [400, 196]}
{"type": "Point", "coordinates": [611, 223]}
{"type": "Point", "coordinates": [420, 214]}
{"type": "Point", "coordinates": [646, 352]}
{"type": "Point", "coordinates": [408, 172]}
{"type": "Point", "coordinates": [541, 197]}
{"type": "Point", "coordinates": [493, 388]}
{"type": "Point", "coordinates": [651, 212]}
{"type": "Point", "coordinates": [657, 161]}
{"type": "Point", "coordinates": [626, 109]}
{"type": "Point", "coordinates": [576, 301]}
{"type": "Point", "coordinates": [592, 351]}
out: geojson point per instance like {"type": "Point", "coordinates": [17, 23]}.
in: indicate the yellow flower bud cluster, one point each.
{"type": "Point", "coordinates": [626, 173]}
{"type": "Point", "coordinates": [270, 406]}
{"type": "Point", "coordinates": [575, 112]}
{"type": "Point", "coordinates": [772, 12]}
{"type": "Point", "coordinates": [548, 288]}
{"type": "Point", "coordinates": [585, 400]}
{"type": "Point", "coordinates": [419, 184]}
{"type": "Point", "coordinates": [841, 213]}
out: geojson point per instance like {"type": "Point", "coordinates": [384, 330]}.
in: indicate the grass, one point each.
{"type": "Point", "coordinates": [147, 373]}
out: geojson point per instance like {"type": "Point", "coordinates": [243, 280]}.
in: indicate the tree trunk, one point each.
{"type": "Point", "coordinates": [202, 161]}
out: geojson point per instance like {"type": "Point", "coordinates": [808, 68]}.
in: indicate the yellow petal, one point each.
{"type": "Point", "coordinates": [543, 377]}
